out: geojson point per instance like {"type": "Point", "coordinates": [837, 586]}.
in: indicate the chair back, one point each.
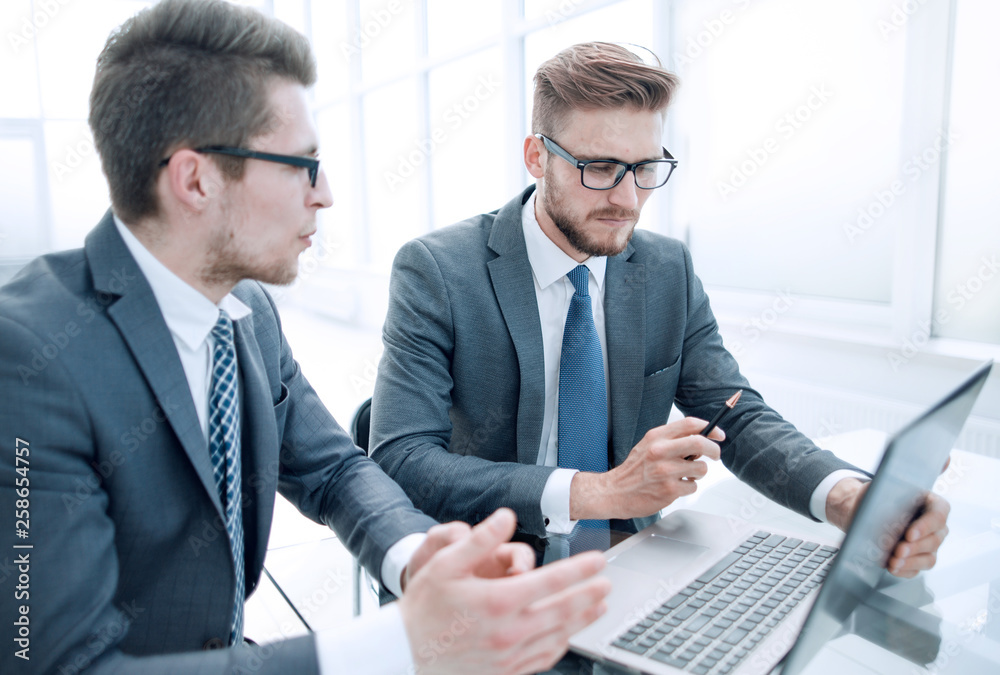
{"type": "Point", "coordinates": [361, 424]}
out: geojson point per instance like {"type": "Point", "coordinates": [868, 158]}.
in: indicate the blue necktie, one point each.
{"type": "Point", "coordinates": [583, 404]}
{"type": "Point", "coordinates": [224, 449]}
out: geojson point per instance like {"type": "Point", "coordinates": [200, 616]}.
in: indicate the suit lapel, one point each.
{"type": "Point", "coordinates": [137, 317]}
{"type": "Point", "coordinates": [625, 331]}
{"type": "Point", "coordinates": [259, 441]}
{"type": "Point", "coordinates": [510, 274]}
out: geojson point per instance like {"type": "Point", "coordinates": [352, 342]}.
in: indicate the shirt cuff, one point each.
{"type": "Point", "coordinates": [555, 502]}
{"type": "Point", "coordinates": [396, 559]}
{"type": "Point", "coordinates": [817, 504]}
{"type": "Point", "coordinates": [373, 644]}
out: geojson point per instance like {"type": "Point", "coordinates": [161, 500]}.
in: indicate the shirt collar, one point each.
{"type": "Point", "coordinates": [189, 315]}
{"type": "Point", "coordinates": [549, 263]}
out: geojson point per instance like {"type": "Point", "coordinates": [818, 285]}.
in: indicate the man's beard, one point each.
{"type": "Point", "coordinates": [228, 265]}
{"type": "Point", "coordinates": [611, 245]}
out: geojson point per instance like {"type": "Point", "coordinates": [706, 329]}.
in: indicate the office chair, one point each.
{"type": "Point", "coordinates": [360, 426]}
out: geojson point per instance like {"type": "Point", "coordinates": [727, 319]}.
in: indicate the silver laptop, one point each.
{"type": "Point", "coordinates": [712, 595]}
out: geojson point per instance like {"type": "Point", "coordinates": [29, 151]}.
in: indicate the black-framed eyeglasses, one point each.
{"type": "Point", "coordinates": [604, 174]}
{"type": "Point", "coordinates": [309, 163]}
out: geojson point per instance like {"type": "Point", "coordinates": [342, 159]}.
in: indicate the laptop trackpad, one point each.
{"type": "Point", "coordinates": [659, 556]}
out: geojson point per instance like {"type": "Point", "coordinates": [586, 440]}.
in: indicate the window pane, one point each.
{"type": "Point", "coordinates": [453, 25]}
{"type": "Point", "coordinates": [67, 52]}
{"type": "Point", "coordinates": [467, 130]}
{"type": "Point", "coordinates": [17, 60]}
{"type": "Point", "coordinates": [967, 296]}
{"type": "Point", "coordinates": [338, 242]}
{"type": "Point", "coordinates": [21, 233]}
{"type": "Point", "coordinates": [789, 144]}
{"type": "Point", "coordinates": [396, 152]}
{"type": "Point", "coordinates": [387, 40]}
{"type": "Point", "coordinates": [334, 49]}
{"type": "Point", "coordinates": [77, 187]}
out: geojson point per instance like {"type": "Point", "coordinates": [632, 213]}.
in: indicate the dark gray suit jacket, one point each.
{"type": "Point", "coordinates": [131, 570]}
{"type": "Point", "coordinates": [457, 411]}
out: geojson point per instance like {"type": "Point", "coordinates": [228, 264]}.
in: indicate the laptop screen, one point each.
{"type": "Point", "coordinates": [912, 461]}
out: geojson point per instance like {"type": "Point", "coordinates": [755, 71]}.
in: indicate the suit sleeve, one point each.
{"type": "Point", "coordinates": [761, 448]}
{"type": "Point", "coordinates": [411, 433]}
{"type": "Point", "coordinates": [327, 477]}
{"type": "Point", "coordinates": [74, 622]}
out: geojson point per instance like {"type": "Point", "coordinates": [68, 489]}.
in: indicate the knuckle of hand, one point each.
{"type": "Point", "coordinates": [497, 605]}
{"type": "Point", "coordinates": [503, 640]}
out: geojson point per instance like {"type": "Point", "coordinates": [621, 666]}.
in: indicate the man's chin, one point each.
{"type": "Point", "coordinates": [612, 245]}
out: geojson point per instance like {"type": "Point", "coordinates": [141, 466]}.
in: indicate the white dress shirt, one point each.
{"type": "Point", "coordinates": [553, 291]}
{"type": "Point", "coordinates": [190, 317]}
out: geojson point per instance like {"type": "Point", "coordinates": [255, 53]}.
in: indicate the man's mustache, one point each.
{"type": "Point", "coordinates": [615, 214]}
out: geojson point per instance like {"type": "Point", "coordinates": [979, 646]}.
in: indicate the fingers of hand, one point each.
{"type": "Point", "coordinates": [694, 470]}
{"type": "Point", "coordinates": [440, 536]}
{"type": "Point", "coordinates": [524, 589]}
{"type": "Point", "coordinates": [550, 641]}
{"type": "Point", "coordinates": [559, 615]}
{"type": "Point", "coordinates": [928, 544]}
{"type": "Point", "coordinates": [509, 559]}
{"type": "Point", "coordinates": [467, 554]}
{"type": "Point", "coordinates": [933, 519]}
{"type": "Point", "coordinates": [667, 449]}
{"type": "Point", "coordinates": [910, 566]}
{"type": "Point", "coordinates": [916, 555]}
{"type": "Point", "coordinates": [689, 426]}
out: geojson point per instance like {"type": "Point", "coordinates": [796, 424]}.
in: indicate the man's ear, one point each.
{"type": "Point", "coordinates": [533, 156]}
{"type": "Point", "coordinates": [192, 179]}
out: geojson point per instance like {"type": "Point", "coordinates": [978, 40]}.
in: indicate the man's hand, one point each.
{"type": "Point", "coordinates": [507, 559]}
{"type": "Point", "coordinates": [917, 548]}
{"type": "Point", "coordinates": [459, 622]}
{"type": "Point", "coordinates": [653, 475]}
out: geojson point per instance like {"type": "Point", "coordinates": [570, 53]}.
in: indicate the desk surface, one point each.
{"type": "Point", "coordinates": [961, 594]}
{"type": "Point", "coordinates": [962, 591]}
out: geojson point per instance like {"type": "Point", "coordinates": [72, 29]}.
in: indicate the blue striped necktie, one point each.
{"type": "Point", "coordinates": [224, 449]}
{"type": "Point", "coordinates": [583, 404]}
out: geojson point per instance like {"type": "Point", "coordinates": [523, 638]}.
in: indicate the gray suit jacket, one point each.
{"type": "Point", "coordinates": [130, 569]}
{"type": "Point", "coordinates": [457, 410]}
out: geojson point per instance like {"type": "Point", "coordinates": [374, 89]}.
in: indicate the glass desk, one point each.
{"type": "Point", "coordinates": [946, 620]}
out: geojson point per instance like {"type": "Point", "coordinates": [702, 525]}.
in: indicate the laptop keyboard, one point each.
{"type": "Point", "coordinates": [714, 623]}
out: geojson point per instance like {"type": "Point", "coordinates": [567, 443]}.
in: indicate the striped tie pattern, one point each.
{"type": "Point", "coordinates": [583, 404]}
{"type": "Point", "coordinates": [224, 448]}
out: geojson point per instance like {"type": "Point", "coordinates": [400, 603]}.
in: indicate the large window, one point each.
{"type": "Point", "coordinates": [838, 153]}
